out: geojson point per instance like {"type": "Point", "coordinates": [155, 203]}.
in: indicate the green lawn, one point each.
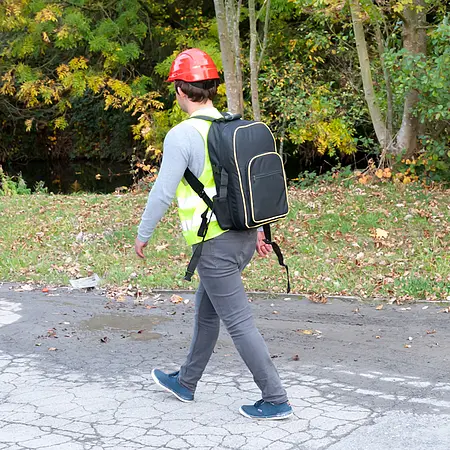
{"type": "Point", "coordinates": [375, 241]}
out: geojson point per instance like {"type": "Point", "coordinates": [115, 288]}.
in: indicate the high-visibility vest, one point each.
{"type": "Point", "coordinates": [190, 205]}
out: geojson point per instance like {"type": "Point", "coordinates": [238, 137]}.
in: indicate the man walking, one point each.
{"type": "Point", "coordinates": [220, 295]}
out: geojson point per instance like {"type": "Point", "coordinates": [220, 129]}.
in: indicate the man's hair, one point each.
{"type": "Point", "coordinates": [199, 91]}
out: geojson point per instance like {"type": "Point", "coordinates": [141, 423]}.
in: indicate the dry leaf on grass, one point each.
{"type": "Point", "coordinates": [380, 233]}
{"type": "Point", "coordinates": [379, 307]}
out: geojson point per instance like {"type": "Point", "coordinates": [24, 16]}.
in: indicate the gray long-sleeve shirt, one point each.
{"type": "Point", "coordinates": [183, 147]}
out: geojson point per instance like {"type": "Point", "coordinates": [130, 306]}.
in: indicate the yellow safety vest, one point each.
{"type": "Point", "coordinates": [190, 205]}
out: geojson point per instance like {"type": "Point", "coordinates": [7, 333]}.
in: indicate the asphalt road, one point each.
{"type": "Point", "coordinates": [75, 375]}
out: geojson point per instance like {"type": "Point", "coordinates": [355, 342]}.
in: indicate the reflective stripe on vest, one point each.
{"type": "Point", "coordinates": [190, 205]}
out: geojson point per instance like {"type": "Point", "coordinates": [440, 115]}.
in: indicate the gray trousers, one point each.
{"type": "Point", "coordinates": [221, 296]}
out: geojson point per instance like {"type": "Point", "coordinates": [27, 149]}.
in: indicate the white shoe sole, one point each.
{"type": "Point", "coordinates": [155, 379]}
{"type": "Point", "coordinates": [265, 418]}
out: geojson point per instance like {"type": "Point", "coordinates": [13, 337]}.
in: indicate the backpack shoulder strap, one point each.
{"type": "Point", "coordinates": [277, 251]}
{"type": "Point", "coordinates": [198, 187]}
{"type": "Point", "coordinates": [226, 117]}
{"type": "Point", "coordinates": [207, 118]}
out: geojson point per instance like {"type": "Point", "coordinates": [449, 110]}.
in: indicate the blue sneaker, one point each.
{"type": "Point", "coordinates": [170, 383]}
{"type": "Point", "coordinates": [262, 410]}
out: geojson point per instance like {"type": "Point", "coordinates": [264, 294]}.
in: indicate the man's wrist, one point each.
{"type": "Point", "coordinates": [142, 238]}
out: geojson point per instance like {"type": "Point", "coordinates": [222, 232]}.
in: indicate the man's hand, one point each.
{"type": "Point", "coordinates": [262, 248]}
{"type": "Point", "coordinates": [139, 248]}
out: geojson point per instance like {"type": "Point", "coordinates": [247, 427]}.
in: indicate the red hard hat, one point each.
{"type": "Point", "coordinates": [193, 65]}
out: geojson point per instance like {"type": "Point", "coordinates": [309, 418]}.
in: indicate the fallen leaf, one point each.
{"type": "Point", "coordinates": [52, 349]}
{"type": "Point", "coordinates": [51, 332]}
{"type": "Point", "coordinates": [295, 358]}
{"type": "Point", "coordinates": [379, 307]}
{"type": "Point", "coordinates": [309, 332]}
{"type": "Point", "coordinates": [377, 337]}
{"type": "Point", "coordinates": [381, 234]}
{"type": "Point", "coordinates": [305, 331]}
{"type": "Point", "coordinates": [356, 310]}
{"type": "Point", "coordinates": [45, 289]}
{"type": "Point", "coordinates": [318, 298]}
{"type": "Point", "coordinates": [160, 248]}
{"type": "Point", "coordinates": [25, 287]}
{"type": "Point", "coordinates": [274, 312]}
{"type": "Point", "coordinates": [407, 346]}
{"type": "Point", "coordinates": [104, 340]}
{"type": "Point", "coordinates": [150, 306]}
{"type": "Point", "coordinates": [176, 299]}
{"type": "Point", "coordinates": [431, 331]}
{"type": "Point", "coordinates": [425, 307]}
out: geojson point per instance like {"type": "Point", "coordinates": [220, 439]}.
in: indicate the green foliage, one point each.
{"type": "Point", "coordinates": [303, 98]}
{"type": "Point", "coordinates": [431, 165]}
{"type": "Point", "coordinates": [85, 78]}
{"type": "Point", "coordinates": [40, 188]}
{"type": "Point", "coordinates": [10, 186]}
{"type": "Point", "coordinates": [337, 175]}
{"type": "Point", "coordinates": [430, 77]}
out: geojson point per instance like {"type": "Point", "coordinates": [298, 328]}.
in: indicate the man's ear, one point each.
{"type": "Point", "coordinates": [180, 92]}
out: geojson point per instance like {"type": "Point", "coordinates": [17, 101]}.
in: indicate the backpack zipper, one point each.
{"type": "Point", "coordinates": [257, 177]}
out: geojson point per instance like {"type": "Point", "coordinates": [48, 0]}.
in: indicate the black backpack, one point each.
{"type": "Point", "coordinates": [249, 177]}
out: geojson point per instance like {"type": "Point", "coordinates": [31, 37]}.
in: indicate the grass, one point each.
{"type": "Point", "coordinates": [329, 240]}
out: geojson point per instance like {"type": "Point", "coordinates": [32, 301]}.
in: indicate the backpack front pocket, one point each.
{"type": "Point", "coordinates": [267, 185]}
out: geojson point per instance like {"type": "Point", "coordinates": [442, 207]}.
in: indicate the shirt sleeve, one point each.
{"type": "Point", "coordinates": [177, 155]}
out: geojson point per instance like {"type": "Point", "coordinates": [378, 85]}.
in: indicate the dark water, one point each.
{"type": "Point", "coordinates": [74, 176]}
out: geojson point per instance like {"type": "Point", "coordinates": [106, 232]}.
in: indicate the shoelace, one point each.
{"type": "Point", "coordinates": [259, 403]}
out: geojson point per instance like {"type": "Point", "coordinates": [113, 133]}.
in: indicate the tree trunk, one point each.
{"type": "Point", "coordinates": [387, 80]}
{"type": "Point", "coordinates": [226, 24]}
{"type": "Point", "coordinates": [415, 43]}
{"type": "Point", "coordinates": [381, 131]}
{"type": "Point", "coordinates": [266, 34]}
{"type": "Point", "coordinates": [254, 61]}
